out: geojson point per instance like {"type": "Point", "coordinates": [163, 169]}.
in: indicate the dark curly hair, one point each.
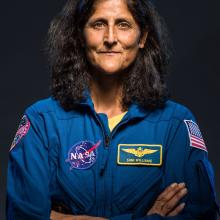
{"type": "Point", "coordinates": [146, 82]}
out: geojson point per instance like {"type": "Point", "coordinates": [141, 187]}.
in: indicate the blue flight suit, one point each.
{"type": "Point", "coordinates": [73, 160]}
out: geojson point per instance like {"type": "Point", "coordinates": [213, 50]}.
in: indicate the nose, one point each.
{"type": "Point", "coordinates": [110, 36]}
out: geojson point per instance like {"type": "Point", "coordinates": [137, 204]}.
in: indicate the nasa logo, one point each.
{"type": "Point", "coordinates": [83, 155]}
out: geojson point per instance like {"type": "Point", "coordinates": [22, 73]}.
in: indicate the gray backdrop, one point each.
{"type": "Point", "coordinates": [194, 28]}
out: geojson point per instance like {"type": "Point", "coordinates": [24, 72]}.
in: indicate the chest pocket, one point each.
{"type": "Point", "coordinates": [136, 189]}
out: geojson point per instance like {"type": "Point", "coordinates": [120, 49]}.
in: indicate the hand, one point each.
{"type": "Point", "coordinates": [166, 202]}
{"type": "Point", "coordinates": [60, 216]}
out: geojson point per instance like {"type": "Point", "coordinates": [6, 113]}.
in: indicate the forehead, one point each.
{"type": "Point", "coordinates": [111, 8]}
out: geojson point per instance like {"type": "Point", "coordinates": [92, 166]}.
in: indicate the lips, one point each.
{"type": "Point", "coordinates": [109, 52]}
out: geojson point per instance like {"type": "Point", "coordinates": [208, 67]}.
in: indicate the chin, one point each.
{"type": "Point", "coordinates": [108, 68]}
{"type": "Point", "coordinates": [111, 70]}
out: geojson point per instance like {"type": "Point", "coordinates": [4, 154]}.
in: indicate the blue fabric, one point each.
{"type": "Point", "coordinates": [211, 178]}
{"type": "Point", "coordinates": [44, 166]}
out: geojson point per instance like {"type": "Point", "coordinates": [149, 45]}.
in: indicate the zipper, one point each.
{"type": "Point", "coordinates": [117, 126]}
{"type": "Point", "coordinates": [107, 140]}
{"type": "Point", "coordinates": [101, 205]}
{"type": "Point", "coordinates": [104, 159]}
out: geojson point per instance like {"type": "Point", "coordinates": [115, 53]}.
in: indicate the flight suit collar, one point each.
{"type": "Point", "coordinates": [134, 110]}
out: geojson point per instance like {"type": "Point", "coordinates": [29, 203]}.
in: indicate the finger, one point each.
{"type": "Point", "coordinates": [55, 215]}
{"type": "Point", "coordinates": [167, 190]}
{"type": "Point", "coordinates": [170, 192]}
{"type": "Point", "coordinates": [172, 188]}
{"type": "Point", "coordinates": [60, 216]}
{"type": "Point", "coordinates": [163, 205]}
{"type": "Point", "coordinates": [172, 203]}
{"type": "Point", "coordinates": [177, 210]}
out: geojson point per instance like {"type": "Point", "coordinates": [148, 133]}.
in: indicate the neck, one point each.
{"type": "Point", "coordinates": [106, 93]}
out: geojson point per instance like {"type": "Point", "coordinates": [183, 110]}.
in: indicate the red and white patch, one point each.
{"type": "Point", "coordinates": [22, 131]}
{"type": "Point", "coordinates": [195, 135]}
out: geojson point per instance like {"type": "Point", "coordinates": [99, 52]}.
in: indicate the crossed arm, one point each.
{"type": "Point", "coordinates": [166, 204]}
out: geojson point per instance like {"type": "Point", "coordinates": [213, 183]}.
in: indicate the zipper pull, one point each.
{"type": "Point", "coordinates": [107, 141]}
{"type": "Point", "coordinates": [105, 155]}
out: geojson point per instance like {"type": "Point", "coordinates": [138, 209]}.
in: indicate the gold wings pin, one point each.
{"type": "Point", "coordinates": [139, 152]}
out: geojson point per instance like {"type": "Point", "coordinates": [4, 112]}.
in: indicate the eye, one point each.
{"type": "Point", "coordinates": [98, 25]}
{"type": "Point", "coordinates": [124, 25]}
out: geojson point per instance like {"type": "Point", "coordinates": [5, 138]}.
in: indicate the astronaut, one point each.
{"type": "Point", "coordinates": [108, 143]}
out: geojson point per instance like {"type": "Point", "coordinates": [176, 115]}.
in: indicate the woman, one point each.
{"type": "Point", "coordinates": [109, 144]}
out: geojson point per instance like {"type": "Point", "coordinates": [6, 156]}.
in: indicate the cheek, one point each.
{"type": "Point", "coordinates": [130, 44]}
{"type": "Point", "coordinates": [92, 39]}
{"type": "Point", "coordinates": [129, 41]}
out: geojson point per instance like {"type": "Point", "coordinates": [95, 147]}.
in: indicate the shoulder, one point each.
{"type": "Point", "coordinates": [184, 126]}
{"type": "Point", "coordinates": [178, 111]}
{"type": "Point", "coordinates": [41, 106]}
{"type": "Point", "coordinates": [172, 111]}
{"type": "Point", "coordinates": [49, 106]}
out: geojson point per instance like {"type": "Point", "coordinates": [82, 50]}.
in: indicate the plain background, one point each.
{"type": "Point", "coordinates": [194, 80]}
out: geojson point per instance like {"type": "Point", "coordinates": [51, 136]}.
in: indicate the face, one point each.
{"type": "Point", "coordinates": [112, 36]}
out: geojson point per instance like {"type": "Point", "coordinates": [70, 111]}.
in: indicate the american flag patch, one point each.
{"type": "Point", "coordinates": [195, 136]}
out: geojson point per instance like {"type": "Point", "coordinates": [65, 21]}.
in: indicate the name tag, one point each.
{"type": "Point", "coordinates": [140, 154]}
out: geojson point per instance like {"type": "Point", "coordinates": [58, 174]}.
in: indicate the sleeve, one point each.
{"type": "Point", "coordinates": [28, 171]}
{"type": "Point", "coordinates": [186, 160]}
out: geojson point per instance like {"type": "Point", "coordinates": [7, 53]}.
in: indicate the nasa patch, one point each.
{"type": "Point", "coordinates": [21, 132]}
{"type": "Point", "coordinates": [83, 155]}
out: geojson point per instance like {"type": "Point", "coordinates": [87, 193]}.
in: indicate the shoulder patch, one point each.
{"type": "Point", "coordinates": [21, 132]}
{"type": "Point", "coordinates": [195, 135]}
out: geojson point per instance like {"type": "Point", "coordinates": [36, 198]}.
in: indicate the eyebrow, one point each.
{"type": "Point", "coordinates": [120, 19]}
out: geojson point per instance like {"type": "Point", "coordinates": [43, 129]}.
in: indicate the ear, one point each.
{"type": "Point", "coordinates": [143, 39]}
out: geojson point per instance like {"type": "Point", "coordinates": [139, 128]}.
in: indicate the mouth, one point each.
{"type": "Point", "coordinates": [110, 52]}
